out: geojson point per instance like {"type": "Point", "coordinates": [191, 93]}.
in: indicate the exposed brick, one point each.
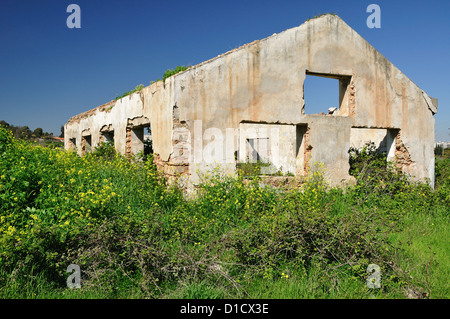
{"type": "Point", "coordinates": [402, 156]}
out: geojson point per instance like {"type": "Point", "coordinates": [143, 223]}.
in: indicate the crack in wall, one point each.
{"type": "Point", "coordinates": [308, 150]}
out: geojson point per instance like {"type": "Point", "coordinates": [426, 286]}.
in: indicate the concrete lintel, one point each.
{"type": "Point", "coordinates": [106, 128]}
{"type": "Point", "coordinates": [329, 75]}
{"type": "Point", "coordinates": [138, 121]}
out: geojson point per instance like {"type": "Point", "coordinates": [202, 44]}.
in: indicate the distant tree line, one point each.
{"type": "Point", "coordinates": [24, 132]}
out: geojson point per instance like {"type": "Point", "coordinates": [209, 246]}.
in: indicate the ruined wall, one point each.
{"type": "Point", "coordinates": [274, 141]}
{"type": "Point", "coordinates": [262, 83]}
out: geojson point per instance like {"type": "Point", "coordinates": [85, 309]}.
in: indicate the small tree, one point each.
{"type": "Point", "coordinates": [23, 132]}
{"type": "Point", "coordinates": [439, 150]}
{"type": "Point", "coordinates": [4, 124]}
{"type": "Point", "coordinates": [38, 132]}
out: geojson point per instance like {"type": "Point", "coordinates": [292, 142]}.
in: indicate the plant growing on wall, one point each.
{"type": "Point", "coordinates": [170, 72]}
{"type": "Point", "coordinates": [136, 89]}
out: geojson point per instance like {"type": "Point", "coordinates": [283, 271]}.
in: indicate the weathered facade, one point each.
{"type": "Point", "coordinates": [249, 104]}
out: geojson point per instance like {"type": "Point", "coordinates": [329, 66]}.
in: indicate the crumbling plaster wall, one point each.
{"type": "Point", "coordinates": [262, 82]}
{"type": "Point", "coordinates": [152, 103]}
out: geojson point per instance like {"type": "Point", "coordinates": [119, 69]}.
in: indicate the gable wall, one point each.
{"type": "Point", "coordinates": [262, 82]}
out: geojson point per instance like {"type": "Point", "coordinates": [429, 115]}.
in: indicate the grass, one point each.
{"type": "Point", "coordinates": [313, 286]}
{"type": "Point", "coordinates": [135, 236]}
{"type": "Point", "coordinates": [425, 260]}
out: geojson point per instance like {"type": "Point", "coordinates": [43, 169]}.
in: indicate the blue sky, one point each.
{"type": "Point", "coordinates": [49, 72]}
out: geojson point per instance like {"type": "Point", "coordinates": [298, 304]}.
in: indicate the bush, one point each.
{"type": "Point", "coordinates": [374, 173]}
{"type": "Point", "coordinates": [171, 72]}
{"type": "Point", "coordinates": [49, 197]}
{"type": "Point", "coordinates": [6, 138]}
{"type": "Point", "coordinates": [105, 150]}
{"type": "Point", "coordinates": [442, 180]}
{"type": "Point", "coordinates": [304, 229]}
{"type": "Point", "coordinates": [438, 150]}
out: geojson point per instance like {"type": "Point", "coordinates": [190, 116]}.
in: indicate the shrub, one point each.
{"type": "Point", "coordinates": [6, 138]}
{"type": "Point", "coordinates": [439, 150]}
{"type": "Point", "coordinates": [309, 228]}
{"type": "Point", "coordinates": [373, 173]}
{"type": "Point", "coordinates": [105, 150]}
{"type": "Point", "coordinates": [442, 180]}
{"type": "Point", "coordinates": [171, 72]}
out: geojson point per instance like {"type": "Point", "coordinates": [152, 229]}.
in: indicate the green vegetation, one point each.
{"type": "Point", "coordinates": [24, 132]}
{"type": "Point", "coordinates": [442, 152]}
{"type": "Point", "coordinates": [170, 72]}
{"type": "Point", "coordinates": [166, 74]}
{"type": "Point", "coordinates": [251, 169]}
{"type": "Point", "coordinates": [136, 89]}
{"type": "Point", "coordinates": [134, 236]}
{"type": "Point", "coordinates": [38, 136]}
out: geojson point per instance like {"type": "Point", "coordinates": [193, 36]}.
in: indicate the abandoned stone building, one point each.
{"type": "Point", "coordinates": [248, 104]}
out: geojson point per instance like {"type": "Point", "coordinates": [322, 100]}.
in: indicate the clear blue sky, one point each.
{"type": "Point", "coordinates": [49, 72]}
